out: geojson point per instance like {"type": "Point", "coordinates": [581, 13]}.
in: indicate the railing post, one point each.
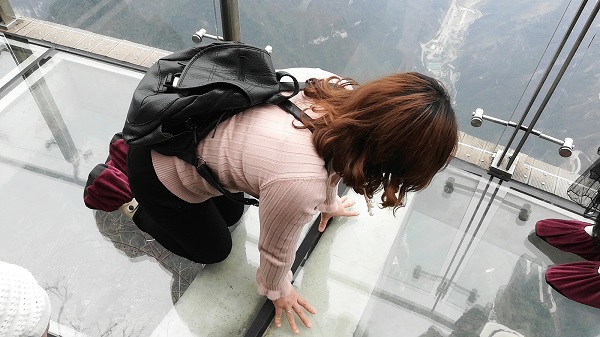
{"type": "Point", "coordinates": [7, 15]}
{"type": "Point", "coordinates": [230, 20]}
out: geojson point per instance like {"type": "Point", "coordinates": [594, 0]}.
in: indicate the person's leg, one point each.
{"type": "Point", "coordinates": [200, 235]}
{"type": "Point", "coordinates": [195, 231]}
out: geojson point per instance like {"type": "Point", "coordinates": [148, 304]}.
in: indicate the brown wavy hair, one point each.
{"type": "Point", "coordinates": [394, 133]}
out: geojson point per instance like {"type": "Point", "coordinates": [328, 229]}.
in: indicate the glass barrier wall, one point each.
{"type": "Point", "coordinates": [487, 53]}
{"type": "Point", "coordinates": [573, 109]}
{"type": "Point", "coordinates": [167, 25]}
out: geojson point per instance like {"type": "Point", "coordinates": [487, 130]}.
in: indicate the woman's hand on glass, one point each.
{"type": "Point", "coordinates": [342, 211]}
{"type": "Point", "coordinates": [290, 305]}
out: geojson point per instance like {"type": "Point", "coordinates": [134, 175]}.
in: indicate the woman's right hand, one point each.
{"type": "Point", "coordinates": [344, 203]}
{"type": "Point", "coordinates": [292, 304]}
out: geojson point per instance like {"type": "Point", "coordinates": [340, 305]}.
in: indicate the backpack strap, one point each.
{"type": "Point", "coordinates": [295, 111]}
{"type": "Point", "coordinates": [291, 86]}
{"type": "Point", "coordinates": [205, 172]}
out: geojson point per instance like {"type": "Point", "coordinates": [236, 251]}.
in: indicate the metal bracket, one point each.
{"type": "Point", "coordinates": [566, 145]}
{"type": "Point", "coordinates": [496, 169]}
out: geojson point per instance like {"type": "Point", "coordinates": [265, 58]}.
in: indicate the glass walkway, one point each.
{"type": "Point", "coordinates": [459, 259]}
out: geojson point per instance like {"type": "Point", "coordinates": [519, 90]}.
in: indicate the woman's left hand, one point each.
{"type": "Point", "coordinates": [345, 203]}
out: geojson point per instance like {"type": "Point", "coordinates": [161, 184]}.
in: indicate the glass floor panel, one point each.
{"type": "Point", "coordinates": [435, 269]}
{"type": "Point", "coordinates": [55, 126]}
{"type": "Point", "coordinates": [458, 260]}
{"type": "Point", "coordinates": [104, 276]}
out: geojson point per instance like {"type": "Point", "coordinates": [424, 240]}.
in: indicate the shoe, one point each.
{"type": "Point", "coordinates": [106, 189]}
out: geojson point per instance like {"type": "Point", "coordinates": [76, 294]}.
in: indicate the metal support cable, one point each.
{"type": "Point", "coordinates": [483, 194]}
{"type": "Point", "coordinates": [543, 80]}
{"type": "Point", "coordinates": [556, 81]}
{"type": "Point", "coordinates": [442, 292]}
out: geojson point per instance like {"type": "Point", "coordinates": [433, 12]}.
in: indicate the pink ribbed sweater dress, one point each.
{"type": "Point", "coordinates": [261, 153]}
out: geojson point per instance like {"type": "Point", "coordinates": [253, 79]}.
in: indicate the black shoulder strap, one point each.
{"type": "Point", "coordinates": [295, 111]}
{"type": "Point", "coordinates": [291, 86]}
{"type": "Point", "coordinates": [205, 172]}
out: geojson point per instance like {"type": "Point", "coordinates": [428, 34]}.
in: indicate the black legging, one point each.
{"type": "Point", "coordinates": [197, 232]}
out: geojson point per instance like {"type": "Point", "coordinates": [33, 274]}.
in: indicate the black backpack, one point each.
{"type": "Point", "coordinates": [185, 95]}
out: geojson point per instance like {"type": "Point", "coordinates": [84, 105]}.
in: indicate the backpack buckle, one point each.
{"type": "Point", "coordinates": [200, 161]}
{"type": "Point", "coordinates": [170, 81]}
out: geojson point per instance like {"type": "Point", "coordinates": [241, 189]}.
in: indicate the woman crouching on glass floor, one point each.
{"type": "Point", "coordinates": [391, 134]}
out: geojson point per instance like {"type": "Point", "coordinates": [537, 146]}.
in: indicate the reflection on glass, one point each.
{"type": "Point", "coordinates": [58, 118]}
{"type": "Point", "coordinates": [454, 268]}
{"type": "Point", "coordinates": [16, 56]}
{"type": "Point", "coordinates": [415, 263]}
{"type": "Point", "coordinates": [165, 25]}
